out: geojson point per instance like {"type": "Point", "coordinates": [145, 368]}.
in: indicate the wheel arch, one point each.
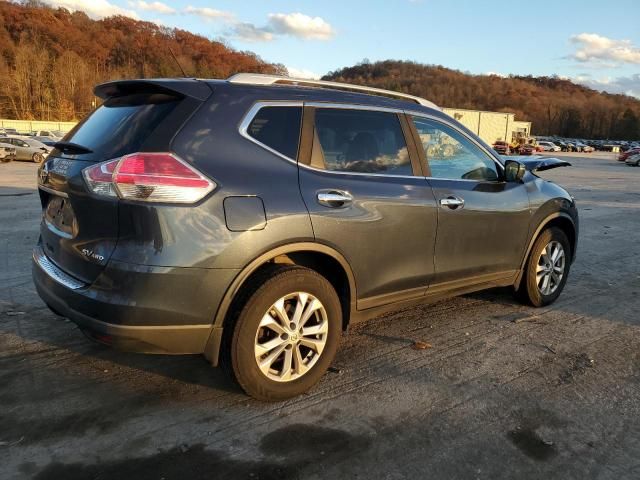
{"type": "Point", "coordinates": [319, 257]}
{"type": "Point", "coordinates": [561, 220]}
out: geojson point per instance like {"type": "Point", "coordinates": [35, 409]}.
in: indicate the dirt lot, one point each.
{"type": "Point", "coordinates": [506, 391]}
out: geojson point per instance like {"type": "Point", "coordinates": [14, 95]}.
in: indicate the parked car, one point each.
{"type": "Point", "coordinates": [502, 148]}
{"type": "Point", "coordinates": [622, 156]}
{"type": "Point", "coordinates": [526, 149]}
{"type": "Point", "coordinates": [583, 147]}
{"type": "Point", "coordinates": [8, 131]}
{"type": "Point", "coordinates": [257, 242]}
{"type": "Point", "coordinates": [549, 146]}
{"type": "Point", "coordinates": [27, 148]}
{"type": "Point", "coordinates": [7, 152]}
{"type": "Point", "coordinates": [48, 141]}
{"type": "Point", "coordinates": [46, 133]}
{"type": "Point", "coordinates": [633, 160]}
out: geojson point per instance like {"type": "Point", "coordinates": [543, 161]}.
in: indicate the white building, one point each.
{"type": "Point", "coordinates": [491, 126]}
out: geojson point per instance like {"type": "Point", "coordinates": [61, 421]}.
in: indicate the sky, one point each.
{"type": "Point", "coordinates": [594, 42]}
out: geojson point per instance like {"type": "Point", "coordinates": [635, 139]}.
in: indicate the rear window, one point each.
{"type": "Point", "coordinates": [278, 128]}
{"type": "Point", "coordinates": [121, 125]}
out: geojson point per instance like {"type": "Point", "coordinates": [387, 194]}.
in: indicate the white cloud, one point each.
{"type": "Point", "coordinates": [250, 33]}
{"type": "Point", "coordinates": [209, 13]}
{"type": "Point", "coordinates": [496, 74]}
{"type": "Point", "coordinates": [594, 48]}
{"type": "Point", "coordinates": [93, 8]}
{"type": "Point", "coordinates": [294, 24]}
{"type": "Point", "coordinates": [157, 7]}
{"type": "Point", "coordinates": [300, 25]}
{"type": "Point", "coordinates": [303, 73]}
{"type": "Point", "coordinates": [627, 85]}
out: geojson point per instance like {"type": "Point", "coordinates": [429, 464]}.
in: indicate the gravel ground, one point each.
{"type": "Point", "coordinates": [506, 391]}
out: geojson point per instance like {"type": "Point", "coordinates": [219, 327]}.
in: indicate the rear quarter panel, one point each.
{"type": "Point", "coordinates": [197, 236]}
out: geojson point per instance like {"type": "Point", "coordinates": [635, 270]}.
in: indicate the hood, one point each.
{"type": "Point", "coordinates": [539, 163]}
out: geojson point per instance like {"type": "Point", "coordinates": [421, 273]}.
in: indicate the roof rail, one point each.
{"type": "Point", "coordinates": [263, 79]}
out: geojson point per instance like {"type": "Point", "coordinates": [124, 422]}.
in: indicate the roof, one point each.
{"type": "Point", "coordinates": [261, 79]}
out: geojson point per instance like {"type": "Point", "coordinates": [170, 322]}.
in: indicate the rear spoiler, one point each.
{"type": "Point", "coordinates": [540, 164]}
{"type": "Point", "coordinates": [183, 87]}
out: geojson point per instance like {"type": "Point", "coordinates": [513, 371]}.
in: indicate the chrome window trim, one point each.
{"type": "Point", "coordinates": [250, 115]}
{"type": "Point", "coordinates": [54, 272]}
{"type": "Point", "coordinates": [353, 106]}
{"type": "Point", "coordinates": [256, 107]}
{"type": "Point", "coordinates": [360, 174]}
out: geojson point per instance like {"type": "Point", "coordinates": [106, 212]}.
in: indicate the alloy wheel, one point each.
{"type": "Point", "coordinates": [291, 337]}
{"type": "Point", "coordinates": [550, 268]}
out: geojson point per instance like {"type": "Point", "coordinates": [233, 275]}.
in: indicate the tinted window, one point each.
{"type": "Point", "coordinates": [360, 141]}
{"type": "Point", "coordinates": [278, 128]}
{"type": "Point", "coordinates": [121, 125]}
{"type": "Point", "coordinates": [451, 155]}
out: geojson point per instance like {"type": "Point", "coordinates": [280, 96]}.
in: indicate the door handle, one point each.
{"type": "Point", "coordinates": [452, 202]}
{"type": "Point", "coordinates": [334, 198]}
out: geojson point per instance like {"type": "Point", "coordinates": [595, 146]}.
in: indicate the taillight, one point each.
{"type": "Point", "coordinates": [149, 177]}
{"type": "Point", "coordinates": [99, 178]}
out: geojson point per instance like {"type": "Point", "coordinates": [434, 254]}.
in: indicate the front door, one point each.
{"type": "Point", "coordinates": [483, 221]}
{"type": "Point", "coordinates": [367, 199]}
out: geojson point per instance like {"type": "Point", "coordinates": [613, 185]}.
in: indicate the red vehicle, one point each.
{"type": "Point", "coordinates": [527, 149]}
{"type": "Point", "coordinates": [502, 147]}
{"type": "Point", "coordinates": [624, 155]}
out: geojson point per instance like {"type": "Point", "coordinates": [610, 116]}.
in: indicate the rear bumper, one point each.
{"type": "Point", "coordinates": [137, 308]}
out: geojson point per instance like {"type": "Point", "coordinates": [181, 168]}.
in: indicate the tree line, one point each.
{"type": "Point", "coordinates": [554, 105]}
{"type": "Point", "coordinates": [50, 59]}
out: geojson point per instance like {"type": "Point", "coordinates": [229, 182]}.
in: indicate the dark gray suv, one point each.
{"type": "Point", "coordinates": [254, 219]}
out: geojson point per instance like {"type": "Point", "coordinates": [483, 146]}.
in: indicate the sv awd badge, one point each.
{"type": "Point", "coordinates": [90, 254]}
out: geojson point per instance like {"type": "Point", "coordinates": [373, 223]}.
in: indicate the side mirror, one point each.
{"type": "Point", "coordinates": [514, 171]}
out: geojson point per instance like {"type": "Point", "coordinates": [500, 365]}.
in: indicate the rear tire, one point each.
{"type": "Point", "coordinates": [547, 269]}
{"type": "Point", "coordinates": [284, 333]}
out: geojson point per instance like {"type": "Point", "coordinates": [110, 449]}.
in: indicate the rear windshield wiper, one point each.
{"type": "Point", "coordinates": [72, 147]}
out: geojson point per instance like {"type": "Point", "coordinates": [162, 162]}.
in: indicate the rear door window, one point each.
{"type": "Point", "coordinates": [121, 125]}
{"type": "Point", "coordinates": [278, 128]}
{"type": "Point", "coordinates": [360, 141]}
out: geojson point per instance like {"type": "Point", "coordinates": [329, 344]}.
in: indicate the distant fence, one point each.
{"type": "Point", "coordinates": [25, 126]}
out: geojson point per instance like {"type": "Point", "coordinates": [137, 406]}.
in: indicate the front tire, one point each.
{"type": "Point", "coordinates": [546, 270]}
{"type": "Point", "coordinates": [37, 157]}
{"type": "Point", "coordinates": [285, 333]}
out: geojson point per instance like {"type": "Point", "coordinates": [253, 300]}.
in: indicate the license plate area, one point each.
{"type": "Point", "coordinates": [60, 218]}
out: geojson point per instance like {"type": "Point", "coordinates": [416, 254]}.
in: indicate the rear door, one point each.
{"type": "Point", "coordinates": [483, 221]}
{"type": "Point", "coordinates": [79, 230]}
{"type": "Point", "coordinates": [362, 184]}
{"type": "Point", "coordinates": [22, 152]}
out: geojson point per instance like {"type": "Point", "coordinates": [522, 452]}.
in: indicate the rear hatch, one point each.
{"type": "Point", "coordinates": [79, 229]}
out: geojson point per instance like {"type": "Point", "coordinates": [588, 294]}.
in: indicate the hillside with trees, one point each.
{"type": "Point", "coordinates": [555, 106]}
{"type": "Point", "coordinates": [50, 59]}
